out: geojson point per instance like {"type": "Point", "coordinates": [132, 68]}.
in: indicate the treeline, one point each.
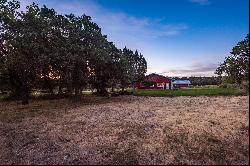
{"type": "Point", "coordinates": [42, 49]}
{"type": "Point", "coordinates": [200, 81]}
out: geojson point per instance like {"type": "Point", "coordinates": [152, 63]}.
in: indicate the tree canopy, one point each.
{"type": "Point", "coordinates": [42, 49]}
{"type": "Point", "coordinates": [200, 81]}
{"type": "Point", "coordinates": [236, 66]}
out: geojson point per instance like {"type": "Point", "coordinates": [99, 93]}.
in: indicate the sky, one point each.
{"type": "Point", "coordinates": [177, 37]}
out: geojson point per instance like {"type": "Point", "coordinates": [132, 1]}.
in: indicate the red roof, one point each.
{"type": "Point", "coordinates": [157, 78]}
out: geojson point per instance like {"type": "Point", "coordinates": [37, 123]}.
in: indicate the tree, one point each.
{"type": "Point", "coordinates": [236, 66]}
{"type": "Point", "coordinates": [134, 67]}
{"type": "Point", "coordinates": [41, 49]}
{"type": "Point", "coordinates": [204, 80]}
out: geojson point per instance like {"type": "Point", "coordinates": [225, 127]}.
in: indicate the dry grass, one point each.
{"type": "Point", "coordinates": [126, 130]}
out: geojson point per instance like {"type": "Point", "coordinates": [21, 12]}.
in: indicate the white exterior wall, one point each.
{"type": "Point", "coordinates": [167, 86]}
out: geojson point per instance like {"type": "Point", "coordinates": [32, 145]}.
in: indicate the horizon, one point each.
{"type": "Point", "coordinates": [174, 44]}
{"type": "Point", "coordinates": [179, 76]}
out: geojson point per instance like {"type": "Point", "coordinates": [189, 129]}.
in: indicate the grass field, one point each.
{"type": "Point", "coordinates": [209, 90]}
{"type": "Point", "coordinates": [126, 130]}
{"type": "Point", "coordinates": [206, 91]}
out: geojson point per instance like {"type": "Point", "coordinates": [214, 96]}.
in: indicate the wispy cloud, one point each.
{"type": "Point", "coordinates": [140, 27]}
{"type": "Point", "coordinates": [200, 2]}
{"type": "Point", "coordinates": [196, 69]}
{"type": "Point", "coordinates": [200, 69]}
{"type": "Point", "coordinates": [120, 27]}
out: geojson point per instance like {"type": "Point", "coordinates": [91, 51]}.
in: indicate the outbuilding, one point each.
{"type": "Point", "coordinates": [155, 81]}
{"type": "Point", "coordinates": [181, 83]}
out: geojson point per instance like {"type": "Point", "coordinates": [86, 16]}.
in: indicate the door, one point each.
{"type": "Point", "coordinates": [167, 85]}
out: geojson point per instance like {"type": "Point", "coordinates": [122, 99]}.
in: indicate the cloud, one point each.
{"type": "Point", "coordinates": [120, 23]}
{"type": "Point", "coordinates": [200, 2]}
{"type": "Point", "coordinates": [121, 28]}
{"type": "Point", "coordinates": [196, 69]}
{"type": "Point", "coordinates": [201, 69]}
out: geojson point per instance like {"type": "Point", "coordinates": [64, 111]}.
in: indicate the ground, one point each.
{"type": "Point", "coordinates": [126, 130]}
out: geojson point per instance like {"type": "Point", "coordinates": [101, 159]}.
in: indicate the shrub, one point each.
{"type": "Point", "coordinates": [148, 83]}
{"type": "Point", "coordinates": [125, 93]}
{"type": "Point", "coordinates": [223, 86]}
{"type": "Point", "coordinates": [227, 85]}
{"type": "Point", "coordinates": [245, 86]}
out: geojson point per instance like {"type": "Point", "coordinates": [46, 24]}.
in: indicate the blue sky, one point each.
{"type": "Point", "coordinates": [177, 37]}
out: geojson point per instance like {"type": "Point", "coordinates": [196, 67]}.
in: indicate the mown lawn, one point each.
{"type": "Point", "coordinates": [192, 92]}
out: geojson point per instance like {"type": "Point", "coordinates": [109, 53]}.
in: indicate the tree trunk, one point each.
{"type": "Point", "coordinates": [51, 91]}
{"type": "Point", "coordinates": [77, 91]}
{"type": "Point", "coordinates": [49, 85]}
{"type": "Point", "coordinates": [69, 90]}
{"type": "Point", "coordinates": [103, 92]}
{"type": "Point", "coordinates": [133, 88]}
{"type": "Point", "coordinates": [25, 100]}
{"type": "Point", "coordinates": [60, 90]}
{"type": "Point", "coordinates": [25, 96]}
{"type": "Point", "coordinates": [112, 88]}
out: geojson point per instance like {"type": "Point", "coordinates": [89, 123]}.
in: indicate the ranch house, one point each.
{"type": "Point", "coordinates": [155, 81]}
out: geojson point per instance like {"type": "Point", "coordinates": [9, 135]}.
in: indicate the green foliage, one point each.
{"type": "Point", "coordinates": [236, 66]}
{"type": "Point", "coordinates": [201, 81]}
{"type": "Point", "coordinates": [245, 86]}
{"type": "Point", "coordinates": [226, 85]}
{"type": "Point", "coordinates": [148, 83]}
{"type": "Point", "coordinates": [192, 92]}
{"type": "Point", "coordinates": [42, 49]}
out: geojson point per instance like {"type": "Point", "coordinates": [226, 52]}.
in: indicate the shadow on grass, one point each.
{"type": "Point", "coordinates": [72, 97]}
{"type": "Point", "coordinates": [33, 97]}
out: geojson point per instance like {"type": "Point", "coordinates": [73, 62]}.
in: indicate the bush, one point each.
{"type": "Point", "coordinates": [125, 93]}
{"type": "Point", "coordinates": [223, 86]}
{"type": "Point", "coordinates": [245, 86]}
{"type": "Point", "coordinates": [148, 83]}
{"type": "Point", "coordinates": [227, 85]}
{"type": "Point", "coordinates": [191, 86]}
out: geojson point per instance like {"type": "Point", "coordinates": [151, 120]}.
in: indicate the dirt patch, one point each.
{"type": "Point", "coordinates": [126, 130]}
